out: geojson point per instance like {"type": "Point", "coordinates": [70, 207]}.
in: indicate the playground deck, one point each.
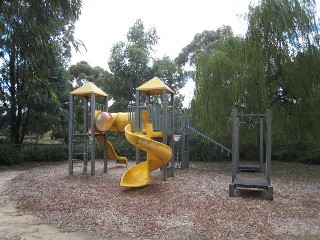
{"type": "Point", "coordinates": [258, 183]}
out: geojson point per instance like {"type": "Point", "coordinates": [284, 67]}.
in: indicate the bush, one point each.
{"type": "Point", "coordinates": [45, 153]}
{"type": "Point", "coordinates": [204, 151]}
{"type": "Point", "coordinates": [10, 154]}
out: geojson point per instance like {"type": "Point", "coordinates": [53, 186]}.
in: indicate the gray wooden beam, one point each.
{"type": "Point", "coordinates": [71, 134]}
{"type": "Point", "coordinates": [85, 136]}
{"type": "Point", "coordinates": [137, 123]}
{"type": "Point", "coordinates": [261, 144]}
{"type": "Point", "coordinates": [164, 127]}
{"type": "Point", "coordinates": [268, 150]}
{"type": "Point", "coordinates": [92, 138]}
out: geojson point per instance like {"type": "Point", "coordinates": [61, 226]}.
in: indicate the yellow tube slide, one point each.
{"type": "Point", "coordinates": [158, 155]}
{"type": "Point", "coordinates": [111, 152]}
{"type": "Point", "coordinates": [119, 121]}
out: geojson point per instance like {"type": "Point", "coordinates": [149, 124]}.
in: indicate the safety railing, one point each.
{"type": "Point", "coordinates": [155, 117]}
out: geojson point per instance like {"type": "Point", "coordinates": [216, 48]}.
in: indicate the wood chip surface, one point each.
{"type": "Point", "coordinates": [192, 205]}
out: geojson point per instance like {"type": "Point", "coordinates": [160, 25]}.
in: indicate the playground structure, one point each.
{"type": "Point", "coordinates": [151, 128]}
{"type": "Point", "coordinates": [86, 139]}
{"type": "Point", "coordinates": [149, 123]}
{"type": "Point", "coordinates": [141, 125]}
{"type": "Point", "coordinates": [252, 182]}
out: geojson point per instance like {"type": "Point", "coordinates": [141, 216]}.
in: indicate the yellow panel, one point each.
{"type": "Point", "coordinates": [87, 89]}
{"type": "Point", "coordinates": [154, 87]}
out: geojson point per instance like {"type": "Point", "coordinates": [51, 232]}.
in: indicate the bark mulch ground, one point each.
{"type": "Point", "coordinates": [192, 205]}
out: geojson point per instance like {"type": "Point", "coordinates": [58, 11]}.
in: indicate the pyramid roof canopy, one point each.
{"type": "Point", "coordinates": [154, 87]}
{"type": "Point", "coordinates": [87, 89]}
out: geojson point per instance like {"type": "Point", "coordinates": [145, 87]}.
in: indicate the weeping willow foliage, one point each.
{"type": "Point", "coordinates": [276, 65]}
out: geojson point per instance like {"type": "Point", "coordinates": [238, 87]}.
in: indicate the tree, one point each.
{"type": "Point", "coordinates": [35, 41]}
{"type": "Point", "coordinates": [205, 43]}
{"type": "Point", "coordinates": [274, 66]}
{"type": "Point", "coordinates": [130, 63]}
{"type": "Point", "coordinates": [82, 72]}
{"type": "Point", "coordinates": [172, 75]}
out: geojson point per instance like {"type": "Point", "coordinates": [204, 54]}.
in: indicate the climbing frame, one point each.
{"type": "Point", "coordinates": [262, 182]}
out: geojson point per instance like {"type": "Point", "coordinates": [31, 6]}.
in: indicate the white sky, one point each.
{"type": "Point", "coordinates": [105, 22]}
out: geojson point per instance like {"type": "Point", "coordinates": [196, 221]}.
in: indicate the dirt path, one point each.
{"type": "Point", "coordinates": [17, 226]}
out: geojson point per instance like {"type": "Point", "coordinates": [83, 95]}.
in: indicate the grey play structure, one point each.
{"type": "Point", "coordinates": [263, 181]}
{"type": "Point", "coordinates": [85, 140]}
{"type": "Point", "coordinates": [161, 117]}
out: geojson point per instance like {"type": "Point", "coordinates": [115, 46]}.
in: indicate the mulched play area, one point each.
{"type": "Point", "coordinates": [192, 205]}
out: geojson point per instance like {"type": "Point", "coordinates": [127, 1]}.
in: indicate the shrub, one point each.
{"type": "Point", "coordinates": [204, 151]}
{"type": "Point", "coordinates": [45, 153]}
{"type": "Point", "coordinates": [10, 154]}
{"type": "Point", "coordinates": [15, 154]}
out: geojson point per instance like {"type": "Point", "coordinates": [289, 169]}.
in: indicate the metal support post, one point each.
{"type": "Point", "coordinates": [261, 144]}
{"type": "Point", "coordinates": [85, 136]}
{"type": "Point", "coordinates": [268, 150]}
{"type": "Point", "coordinates": [164, 127]}
{"type": "Point", "coordinates": [105, 145]}
{"type": "Point", "coordinates": [71, 135]}
{"type": "Point", "coordinates": [235, 144]}
{"type": "Point", "coordinates": [137, 123]}
{"type": "Point", "coordinates": [171, 143]}
{"type": "Point", "coordinates": [92, 138]}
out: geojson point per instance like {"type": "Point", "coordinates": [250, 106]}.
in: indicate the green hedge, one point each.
{"type": "Point", "coordinates": [203, 150]}
{"type": "Point", "coordinates": [15, 154]}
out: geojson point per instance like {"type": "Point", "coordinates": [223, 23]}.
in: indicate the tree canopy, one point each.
{"type": "Point", "coordinates": [273, 66]}
{"type": "Point", "coordinates": [34, 49]}
{"type": "Point", "coordinates": [132, 64]}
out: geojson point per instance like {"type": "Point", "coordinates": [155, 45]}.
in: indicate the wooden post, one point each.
{"type": "Point", "coordinates": [105, 145]}
{"type": "Point", "coordinates": [71, 135]}
{"type": "Point", "coordinates": [268, 150]}
{"type": "Point", "coordinates": [183, 143]}
{"type": "Point", "coordinates": [137, 123]}
{"type": "Point", "coordinates": [261, 144]}
{"type": "Point", "coordinates": [92, 138]}
{"type": "Point", "coordinates": [172, 162]}
{"type": "Point", "coordinates": [85, 136]}
{"type": "Point", "coordinates": [235, 144]}
{"type": "Point", "coordinates": [164, 127]}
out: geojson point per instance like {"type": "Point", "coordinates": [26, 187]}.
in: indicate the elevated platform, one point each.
{"type": "Point", "coordinates": [257, 183]}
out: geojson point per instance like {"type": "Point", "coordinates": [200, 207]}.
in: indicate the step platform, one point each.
{"type": "Point", "coordinates": [251, 183]}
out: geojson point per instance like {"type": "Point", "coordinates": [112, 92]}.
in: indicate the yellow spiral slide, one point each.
{"type": "Point", "coordinates": [158, 154]}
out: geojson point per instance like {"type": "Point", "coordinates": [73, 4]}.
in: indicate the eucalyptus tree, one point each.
{"type": "Point", "coordinates": [35, 39]}
{"type": "Point", "coordinates": [130, 63]}
{"type": "Point", "coordinates": [172, 75]}
{"type": "Point", "coordinates": [82, 72]}
{"type": "Point", "coordinates": [205, 42]}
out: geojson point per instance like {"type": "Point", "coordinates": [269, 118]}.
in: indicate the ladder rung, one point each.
{"type": "Point", "coordinates": [77, 159]}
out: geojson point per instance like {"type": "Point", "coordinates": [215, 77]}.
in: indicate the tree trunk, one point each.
{"type": "Point", "coordinates": [14, 124]}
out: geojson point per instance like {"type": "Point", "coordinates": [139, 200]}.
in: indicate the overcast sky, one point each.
{"type": "Point", "coordinates": [105, 22]}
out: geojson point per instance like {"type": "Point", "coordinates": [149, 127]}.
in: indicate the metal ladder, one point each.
{"type": "Point", "coordinates": [80, 151]}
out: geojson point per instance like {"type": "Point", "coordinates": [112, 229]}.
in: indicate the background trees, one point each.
{"type": "Point", "coordinates": [132, 64]}
{"type": "Point", "coordinates": [34, 47]}
{"type": "Point", "coordinates": [273, 66]}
